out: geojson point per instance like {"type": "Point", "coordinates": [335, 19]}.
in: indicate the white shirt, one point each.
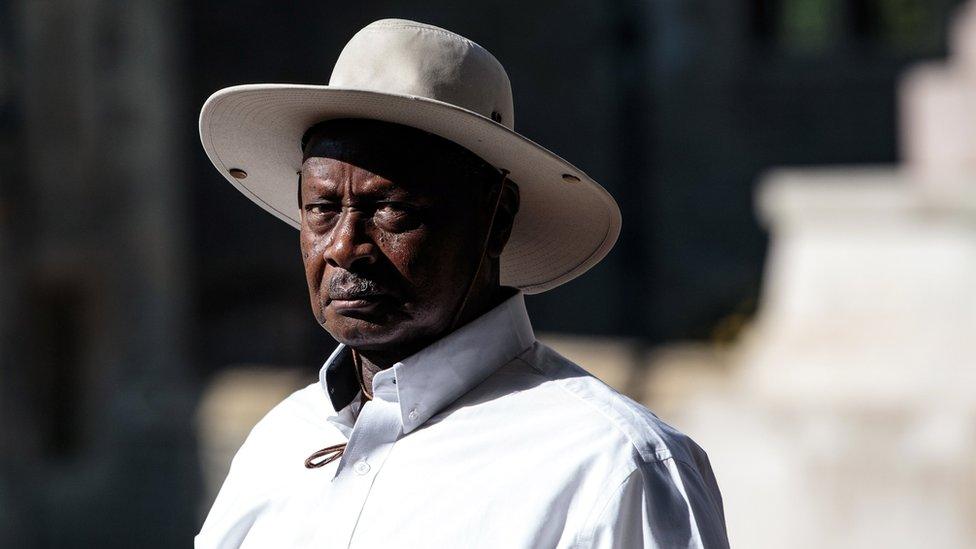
{"type": "Point", "coordinates": [486, 438]}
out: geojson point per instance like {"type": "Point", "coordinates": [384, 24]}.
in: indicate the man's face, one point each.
{"type": "Point", "coordinates": [390, 235]}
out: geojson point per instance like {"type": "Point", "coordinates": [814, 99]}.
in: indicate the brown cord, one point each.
{"type": "Point", "coordinates": [484, 250]}
{"type": "Point", "coordinates": [335, 450]}
{"type": "Point", "coordinates": [358, 363]}
{"type": "Point", "coordinates": [331, 453]}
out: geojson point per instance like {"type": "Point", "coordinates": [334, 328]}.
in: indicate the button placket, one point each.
{"type": "Point", "coordinates": [374, 434]}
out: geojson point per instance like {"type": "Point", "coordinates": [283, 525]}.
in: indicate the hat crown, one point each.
{"type": "Point", "coordinates": [398, 56]}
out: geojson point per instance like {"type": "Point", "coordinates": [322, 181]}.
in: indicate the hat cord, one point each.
{"type": "Point", "coordinates": [327, 455]}
{"type": "Point", "coordinates": [484, 250]}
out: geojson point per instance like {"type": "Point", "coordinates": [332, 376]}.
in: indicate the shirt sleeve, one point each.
{"type": "Point", "coordinates": [662, 504]}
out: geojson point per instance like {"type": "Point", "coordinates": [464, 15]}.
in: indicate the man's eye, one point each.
{"type": "Point", "coordinates": [321, 213]}
{"type": "Point", "coordinates": [396, 216]}
{"type": "Point", "coordinates": [320, 209]}
{"type": "Point", "coordinates": [395, 207]}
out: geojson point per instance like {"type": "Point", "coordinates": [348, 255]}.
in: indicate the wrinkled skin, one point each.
{"type": "Point", "coordinates": [392, 228]}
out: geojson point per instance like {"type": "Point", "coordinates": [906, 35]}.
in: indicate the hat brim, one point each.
{"type": "Point", "coordinates": [566, 221]}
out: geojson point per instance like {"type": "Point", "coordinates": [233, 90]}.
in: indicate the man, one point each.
{"type": "Point", "coordinates": [439, 421]}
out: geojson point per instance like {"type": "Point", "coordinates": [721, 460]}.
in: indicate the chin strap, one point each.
{"type": "Point", "coordinates": [329, 454]}
{"type": "Point", "coordinates": [481, 256]}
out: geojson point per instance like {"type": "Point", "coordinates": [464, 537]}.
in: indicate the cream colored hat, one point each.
{"type": "Point", "coordinates": [437, 81]}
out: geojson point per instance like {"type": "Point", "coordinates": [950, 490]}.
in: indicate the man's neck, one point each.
{"type": "Point", "coordinates": [375, 360]}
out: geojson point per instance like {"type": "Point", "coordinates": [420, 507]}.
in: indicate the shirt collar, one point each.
{"type": "Point", "coordinates": [437, 375]}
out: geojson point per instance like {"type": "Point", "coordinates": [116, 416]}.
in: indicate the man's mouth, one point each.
{"type": "Point", "coordinates": [349, 293]}
{"type": "Point", "coordinates": [354, 300]}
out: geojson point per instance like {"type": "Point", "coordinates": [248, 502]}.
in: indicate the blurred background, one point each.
{"type": "Point", "coordinates": [811, 327]}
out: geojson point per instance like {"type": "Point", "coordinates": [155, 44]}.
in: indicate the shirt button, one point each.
{"type": "Point", "coordinates": [361, 467]}
{"type": "Point", "coordinates": [413, 415]}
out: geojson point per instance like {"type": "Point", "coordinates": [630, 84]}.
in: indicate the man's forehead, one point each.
{"type": "Point", "coordinates": [403, 160]}
{"type": "Point", "coordinates": [323, 174]}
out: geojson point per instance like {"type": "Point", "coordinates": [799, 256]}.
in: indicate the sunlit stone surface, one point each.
{"type": "Point", "coordinates": [849, 418]}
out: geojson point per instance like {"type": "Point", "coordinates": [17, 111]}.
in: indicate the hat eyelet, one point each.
{"type": "Point", "coordinates": [496, 116]}
{"type": "Point", "coordinates": [570, 178]}
{"type": "Point", "coordinates": [237, 173]}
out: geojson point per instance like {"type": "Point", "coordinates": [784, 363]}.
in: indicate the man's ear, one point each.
{"type": "Point", "coordinates": [508, 207]}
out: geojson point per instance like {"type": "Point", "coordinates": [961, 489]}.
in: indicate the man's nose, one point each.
{"type": "Point", "coordinates": [349, 243]}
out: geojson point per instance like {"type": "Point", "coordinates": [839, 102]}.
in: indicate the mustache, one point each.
{"type": "Point", "coordinates": [347, 285]}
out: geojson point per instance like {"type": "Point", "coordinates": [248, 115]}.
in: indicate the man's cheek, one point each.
{"type": "Point", "coordinates": [408, 252]}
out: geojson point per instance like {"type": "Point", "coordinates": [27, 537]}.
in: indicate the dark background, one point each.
{"type": "Point", "coordinates": [130, 272]}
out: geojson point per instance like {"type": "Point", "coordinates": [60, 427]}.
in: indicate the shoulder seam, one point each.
{"type": "Point", "coordinates": [656, 456]}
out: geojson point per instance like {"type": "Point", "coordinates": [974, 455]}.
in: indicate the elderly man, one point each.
{"type": "Point", "coordinates": [439, 421]}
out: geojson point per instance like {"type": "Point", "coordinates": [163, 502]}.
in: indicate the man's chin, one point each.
{"type": "Point", "coordinates": [362, 331]}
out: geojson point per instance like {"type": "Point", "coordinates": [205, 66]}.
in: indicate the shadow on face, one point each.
{"type": "Point", "coordinates": [393, 223]}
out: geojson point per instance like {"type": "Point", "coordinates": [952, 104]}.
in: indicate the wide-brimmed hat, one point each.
{"type": "Point", "coordinates": [437, 81]}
